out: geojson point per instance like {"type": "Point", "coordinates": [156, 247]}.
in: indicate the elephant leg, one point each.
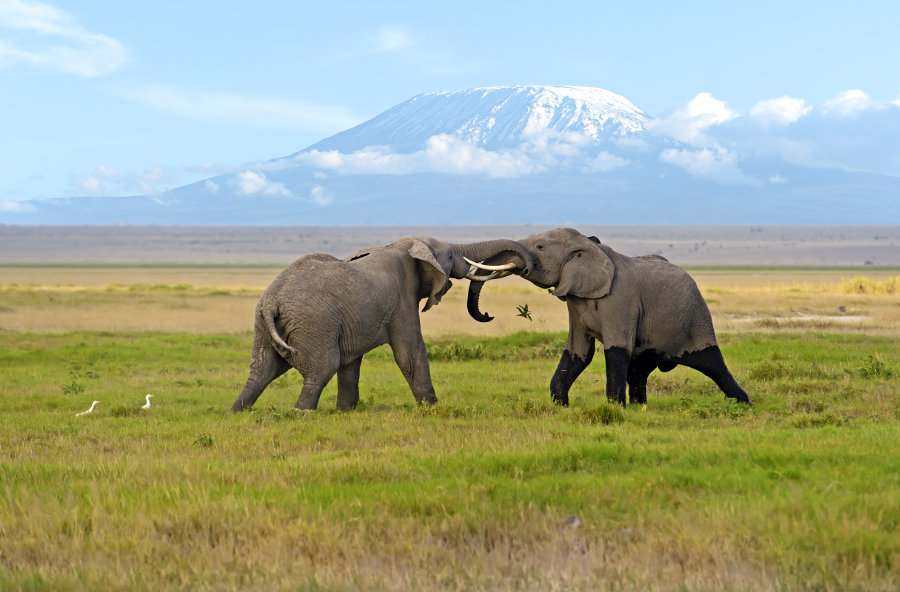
{"type": "Point", "coordinates": [617, 364]}
{"type": "Point", "coordinates": [570, 366]}
{"type": "Point", "coordinates": [710, 362]}
{"type": "Point", "coordinates": [311, 391]}
{"type": "Point", "coordinates": [638, 371]}
{"type": "Point", "coordinates": [265, 367]}
{"type": "Point", "coordinates": [317, 370]}
{"type": "Point", "coordinates": [412, 359]}
{"type": "Point", "coordinates": [348, 385]}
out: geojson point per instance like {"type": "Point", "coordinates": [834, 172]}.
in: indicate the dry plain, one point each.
{"type": "Point", "coordinates": [493, 488]}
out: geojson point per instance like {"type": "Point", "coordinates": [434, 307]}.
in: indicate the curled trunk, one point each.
{"type": "Point", "coordinates": [472, 303]}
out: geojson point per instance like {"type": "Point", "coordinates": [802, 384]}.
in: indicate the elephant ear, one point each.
{"type": "Point", "coordinates": [434, 277]}
{"type": "Point", "coordinates": [587, 274]}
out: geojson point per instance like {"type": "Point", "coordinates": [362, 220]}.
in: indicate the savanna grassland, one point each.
{"type": "Point", "coordinates": [492, 488]}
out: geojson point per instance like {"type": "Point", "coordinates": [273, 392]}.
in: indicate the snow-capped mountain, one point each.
{"type": "Point", "coordinates": [494, 118]}
{"type": "Point", "coordinates": [534, 154]}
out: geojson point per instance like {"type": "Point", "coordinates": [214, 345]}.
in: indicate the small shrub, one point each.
{"type": "Point", "coordinates": [765, 371]}
{"type": "Point", "coordinates": [605, 414]}
{"type": "Point", "coordinates": [719, 408]}
{"type": "Point", "coordinates": [816, 420]}
{"type": "Point", "coordinates": [203, 440]}
{"type": "Point", "coordinates": [456, 352]}
{"type": "Point", "coordinates": [873, 367]}
{"type": "Point", "coordinates": [73, 388]}
{"type": "Point", "coordinates": [534, 408]}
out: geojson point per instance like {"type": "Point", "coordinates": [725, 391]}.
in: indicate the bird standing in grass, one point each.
{"type": "Point", "coordinates": [91, 410]}
{"type": "Point", "coordinates": [147, 404]}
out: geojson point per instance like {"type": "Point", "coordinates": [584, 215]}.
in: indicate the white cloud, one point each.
{"type": "Point", "coordinates": [778, 180]}
{"type": "Point", "coordinates": [89, 183]}
{"type": "Point", "coordinates": [848, 103]}
{"type": "Point", "coordinates": [253, 183]}
{"type": "Point", "coordinates": [320, 196]}
{"type": "Point", "coordinates": [689, 123]}
{"type": "Point", "coordinates": [392, 39]}
{"type": "Point", "coordinates": [716, 164]}
{"type": "Point", "coordinates": [211, 186]}
{"type": "Point", "coordinates": [443, 153]}
{"type": "Point", "coordinates": [13, 206]}
{"type": "Point", "coordinates": [73, 49]}
{"type": "Point", "coordinates": [605, 162]}
{"type": "Point", "coordinates": [243, 110]}
{"type": "Point", "coordinates": [784, 110]}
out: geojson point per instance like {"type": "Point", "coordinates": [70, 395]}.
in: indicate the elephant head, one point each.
{"type": "Point", "coordinates": [564, 259]}
{"type": "Point", "coordinates": [440, 261]}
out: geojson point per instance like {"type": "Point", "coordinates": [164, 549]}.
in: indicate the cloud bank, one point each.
{"type": "Point", "coordinates": [849, 132]}
{"type": "Point", "coordinates": [46, 36]}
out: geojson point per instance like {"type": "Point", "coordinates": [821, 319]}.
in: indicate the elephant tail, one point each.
{"type": "Point", "coordinates": [268, 311]}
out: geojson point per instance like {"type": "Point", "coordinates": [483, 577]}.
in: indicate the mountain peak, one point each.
{"type": "Point", "coordinates": [494, 118]}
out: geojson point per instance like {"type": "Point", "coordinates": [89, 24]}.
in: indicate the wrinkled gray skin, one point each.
{"type": "Point", "coordinates": [646, 312]}
{"type": "Point", "coordinates": [321, 314]}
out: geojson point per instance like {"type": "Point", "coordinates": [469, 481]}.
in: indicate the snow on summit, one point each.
{"type": "Point", "coordinates": [494, 118]}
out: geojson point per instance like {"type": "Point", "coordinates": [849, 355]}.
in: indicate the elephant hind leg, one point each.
{"type": "Point", "coordinates": [638, 372]}
{"type": "Point", "coordinates": [318, 368]}
{"type": "Point", "coordinates": [265, 367]}
{"type": "Point", "coordinates": [348, 386]}
{"type": "Point", "coordinates": [710, 362]}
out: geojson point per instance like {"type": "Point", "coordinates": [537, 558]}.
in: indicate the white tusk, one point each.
{"type": "Point", "coordinates": [494, 275]}
{"type": "Point", "coordinates": [504, 267]}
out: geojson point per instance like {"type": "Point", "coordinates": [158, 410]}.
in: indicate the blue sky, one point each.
{"type": "Point", "coordinates": [114, 98]}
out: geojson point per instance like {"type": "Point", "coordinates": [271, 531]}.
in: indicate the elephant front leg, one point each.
{"type": "Point", "coordinates": [348, 386]}
{"type": "Point", "coordinates": [617, 363]}
{"type": "Point", "coordinates": [412, 359]}
{"type": "Point", "coordinates": [573, 361]}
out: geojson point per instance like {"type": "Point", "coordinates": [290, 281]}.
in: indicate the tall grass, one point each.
{"type": "Point", "coordinates": [478, 492]}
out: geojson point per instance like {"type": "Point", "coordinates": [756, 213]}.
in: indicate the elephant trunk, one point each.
{"type": "Point", "coordinates": [495, 252]}
{"type": "Point", "coordinates": [472, 303]}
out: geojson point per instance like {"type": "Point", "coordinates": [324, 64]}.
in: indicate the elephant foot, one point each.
{"type": "Point", "coordinates": [561, 400]}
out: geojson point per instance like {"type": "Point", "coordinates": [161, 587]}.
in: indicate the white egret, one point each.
{"type": "Point", "coordinates": [147, 404]}
{"type": "Point", "coordinates": [91, 410]}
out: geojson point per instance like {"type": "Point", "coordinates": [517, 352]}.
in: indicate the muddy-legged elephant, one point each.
{"type": "Point", "coordinates": [647, 313]}
{"type": "Point", "coordinates": [321, 314]}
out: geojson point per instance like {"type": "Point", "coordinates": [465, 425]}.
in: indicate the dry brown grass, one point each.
{"type": "Point", "coordinates": [222, 299]}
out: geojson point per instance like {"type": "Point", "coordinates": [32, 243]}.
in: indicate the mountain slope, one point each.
{"type": "Point", "coordinates": [503, 155]}
{"type": "Point", "coordinates": [494, 118]}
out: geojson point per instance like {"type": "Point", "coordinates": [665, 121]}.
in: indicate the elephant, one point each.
{"type": "Point", "coordinates": [647, 313]}
{"type": "Point", "coordinates": [322, 314]}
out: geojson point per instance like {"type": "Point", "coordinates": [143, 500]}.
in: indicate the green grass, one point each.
{"type": "Point", "coordinates": [798, 492]}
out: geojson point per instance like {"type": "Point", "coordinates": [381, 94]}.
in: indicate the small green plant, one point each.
{"type": "Point", "coordinates": [203, 440]}
{"type": "Point", "coordinates": [603, 414]}
{"type": "Point", "coordinates": [874, 367]}
{"type": "Point", "coordinates": [718, 408]}
{"type": "Point", "coordinates": [456, 352]}
{"type": "Point", "coordinates": [524, 312]}
{"type": "Point", "coordinates": [73, 388]}
{"type": "Point", "coordinates": [534, 408]}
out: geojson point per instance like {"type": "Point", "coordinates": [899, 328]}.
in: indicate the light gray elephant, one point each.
{"type": "Point", "coordinates": [321, 314]}
{"type": "Point", "coordinates": [645, 311]}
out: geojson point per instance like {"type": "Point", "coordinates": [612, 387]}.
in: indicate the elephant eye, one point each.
{"type": "Point", "coordinates": [540, 247]}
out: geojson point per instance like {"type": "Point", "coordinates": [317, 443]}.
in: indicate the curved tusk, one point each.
{"type": "Point", "coordinates": [494, 275]}
{"type": "Point", "coordinates": [504, 267]}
